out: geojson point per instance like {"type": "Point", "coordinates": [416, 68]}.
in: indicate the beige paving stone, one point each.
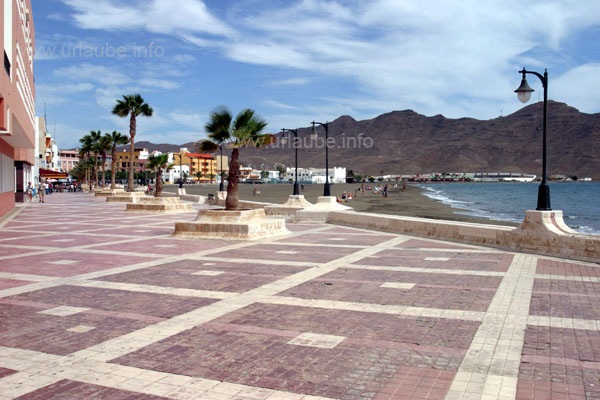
{"type": "Point", "coordinates": [322, 341]}
{"type": "Point", "coordinates": [26, 277]}
{"type": "Point", "coordinates": [155, 289]}
{"type": "Point", "coordinates": [64, 262]}
{"type": "Point", "coordinates": [208, 273]}
{"type": "Point", "coordinates": [437, 259]}
{"type": "Point", "coordinates": [64, 311]}
{"type": "Point", "coordinates": [426, 270]}
{"type": "Point", "coordinates": [489, 356]}
{"type": "Point", "coordinates": [398, 285]}
{"type": "Point", "coordinates": [576, 278]}
{"type": "Point", "coordinates": [81, 328]}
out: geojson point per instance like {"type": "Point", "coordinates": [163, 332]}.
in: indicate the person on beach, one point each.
{"type": "Point", "coordinates": [385, 191]}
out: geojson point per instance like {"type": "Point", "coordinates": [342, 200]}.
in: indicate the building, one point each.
{"type": "Point", "coordinates": [17, 102]}
{"type": "Point", "coordinates": [316, 175]}
{"type": "Point", "coordinates": [122, 159]}
{"type": "Point", "coordinates": [203, 167]}
{"type": "Point", "coordinates": [69, 159]}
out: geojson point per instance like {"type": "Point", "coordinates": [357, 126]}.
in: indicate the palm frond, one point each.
{"type": "Point", "coordinates": [145, 110]}
{"type": "Point", "coordinates": [208, 146]}
{"type": "Point", "coordinates": [218, 125]}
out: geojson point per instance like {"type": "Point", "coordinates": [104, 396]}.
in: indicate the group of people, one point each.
{"type": "Point", "coordinates": [41, 191]}
{"type": "Point", "coordinates": [43, 188]}
{"type": "Point", "coordinates": [345, 197]}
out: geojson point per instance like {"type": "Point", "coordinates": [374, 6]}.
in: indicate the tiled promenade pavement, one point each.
{"type": "Point", "coordinates": [97, 303]}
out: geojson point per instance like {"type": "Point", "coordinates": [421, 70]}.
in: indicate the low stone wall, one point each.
{"type": "Point", "coordinates": [542, 232]}
{"type": "Point", "coordinates": [249, 205]}
{"type": "Point", "coordinates": [168, 194]}
{"type": "Point", "coordinates": [194, 198]}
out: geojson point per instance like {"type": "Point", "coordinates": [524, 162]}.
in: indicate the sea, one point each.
{"type": "Point", "coordinates": [508, 201]}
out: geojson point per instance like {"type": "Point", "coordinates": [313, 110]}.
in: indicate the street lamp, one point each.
{"type": "Point", "coordinates": [284, 141]}
{"type": "Point", "coordinates": [180, 172]}
{"type": "Point", "coordinates": [326, 189]}
{"type": "Point", "coordinates": [524, 94]}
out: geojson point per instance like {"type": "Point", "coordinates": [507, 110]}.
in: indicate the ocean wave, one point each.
{"type": "Point", "coordinates": [440, 196]}
{"type": "Point", "coordinates": [587, 230]}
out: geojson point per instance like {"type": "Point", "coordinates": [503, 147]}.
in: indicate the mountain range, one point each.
{"type": "Point", "coordinates": [405, 142]}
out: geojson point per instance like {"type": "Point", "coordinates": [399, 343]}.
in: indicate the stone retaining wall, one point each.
{"type": "Point", "coordinates": [542, 232]}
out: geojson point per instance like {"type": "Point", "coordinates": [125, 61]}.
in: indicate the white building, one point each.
{"type": "Point", "coordinates": [316, 175]}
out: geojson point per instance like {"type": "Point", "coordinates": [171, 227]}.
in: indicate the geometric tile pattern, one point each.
{"type": "Point", "coordinates": [111, 306]}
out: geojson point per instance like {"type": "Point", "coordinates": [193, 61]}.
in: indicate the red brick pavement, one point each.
{"type": "Point", "coordinates": [378, 356]}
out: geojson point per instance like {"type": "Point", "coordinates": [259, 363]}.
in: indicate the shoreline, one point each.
{"type": "Point", "coordinates": [411, 202]}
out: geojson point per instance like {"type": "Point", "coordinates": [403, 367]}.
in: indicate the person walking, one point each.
{"type": "Point", "coordinates": [30, 192]}
{"type": "Point", "coordinates": [42, 191]}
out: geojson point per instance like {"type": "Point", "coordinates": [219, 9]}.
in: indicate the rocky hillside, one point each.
{"type": "Point", "coordinates": [404, 142]}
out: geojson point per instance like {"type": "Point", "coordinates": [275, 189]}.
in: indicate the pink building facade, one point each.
{"type": "Point", "coordinates": [17, 102]}
{"type": "Point", "coordinates": [68, 159]}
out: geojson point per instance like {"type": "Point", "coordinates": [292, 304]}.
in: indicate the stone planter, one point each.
{"type": "Point", "coordinates": [320, 211]}
{"type": "Point", "coordinates": [288, 209]}
{"type": "Point", "coordinates": [126, 197]}
{"type": "Point", "coordinates": [109, 192]}
{"type": "Point", "coordinates": [159, 205]}
{"type": "Point", "coordinates": [231, 225]}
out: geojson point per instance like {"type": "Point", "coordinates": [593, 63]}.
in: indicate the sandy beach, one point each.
{"type": "Point", "coordinates": [410, 202]}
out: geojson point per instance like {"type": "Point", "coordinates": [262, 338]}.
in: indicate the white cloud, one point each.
{"type": "Point", "coordinates": [158, 83]}
{"type": "Point", "coordinates": [191, 120]}
{"type": "Point", "coordinates": [420, 55]}
{"type": "Point", "coordinates": [170, 17]}
{"type": "Point", "coordinates": [277, 104]}
{"type": "Point", "coordinates": [573, 87]}
{"type": "Point", "coordinates": [459, 58]}
{"type": "Point", "coordinates": [95, 73]}
{"type": "Point", "coordinates": [291, 82]}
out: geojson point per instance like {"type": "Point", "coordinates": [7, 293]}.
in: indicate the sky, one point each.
{"type": "Point", "coordinates": [296, 61]}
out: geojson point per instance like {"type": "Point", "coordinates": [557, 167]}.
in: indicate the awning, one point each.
{"type": "Point", "coordinates": [49, 174]}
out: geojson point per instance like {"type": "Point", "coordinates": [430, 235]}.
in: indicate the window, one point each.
{"type": "Point", "coordinates": [6, 63]}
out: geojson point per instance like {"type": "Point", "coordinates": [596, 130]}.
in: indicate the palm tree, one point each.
{"type": "Point", "coordinates": [244, 130]}
{"type": "Point", "coordinates": [132, 106]}
{"type": "Point", "coordinates": [116, 138]}
{"type": "Point", "coordinates": [199, 176]}
{"type": "Point", "coordinates": [84, 153]}
{"type": "Point", "coordinates": [104, 145]}
{"type": "Point", "coordinates": [159, 164]}
{"type": "Point", "coordinates": [95, 137]}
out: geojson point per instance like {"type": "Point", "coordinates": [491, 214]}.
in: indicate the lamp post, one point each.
{"type": "Point", "coordinates": [221, 184]}
{"type": "Point", "coordinates": [524, 94]}
{"type": "Point", "coordinates": [180, 173]}
{"type": "Point", "coordinates": [284, 141]}
{"type": "Point", "coordinates": [327, 188]}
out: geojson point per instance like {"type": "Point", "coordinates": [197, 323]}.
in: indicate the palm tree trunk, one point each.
{"type": "Point", "coordinates": [103, 170]}
{"type": "Point", "coordinates": [113, 172]}
{"type": "Point", "coordinates": [132, 129]}
{"type": "Point", "coordinates": [159, 183]}
{"type": "Point", "coordinates": [96, 169]}
{"type": "Point", "coordinates": [232, 200]}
